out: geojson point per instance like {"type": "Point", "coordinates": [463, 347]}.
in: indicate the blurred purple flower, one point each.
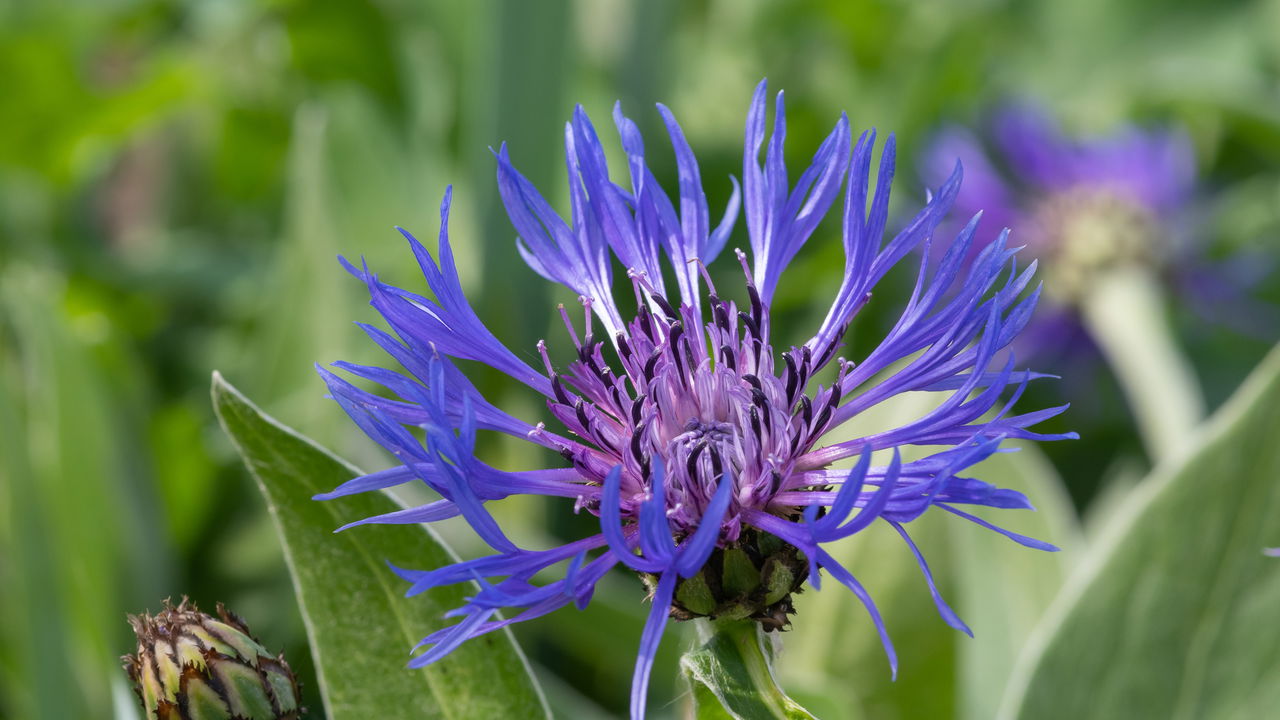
{"type": "Point", "coordinates": [1085, 204]}
{"type": "Point", "coordinates": [1058, 191]}
{"type": "Point", "coordinates": [695, 445]}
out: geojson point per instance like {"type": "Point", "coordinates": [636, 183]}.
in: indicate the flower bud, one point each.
{"type": "Point", "coordinates": [191, 666]}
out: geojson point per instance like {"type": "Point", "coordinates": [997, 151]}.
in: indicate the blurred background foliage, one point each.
{"type": "Point", "coordinates": [176, 179]}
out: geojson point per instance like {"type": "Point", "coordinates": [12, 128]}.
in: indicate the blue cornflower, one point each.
{"type": "Point", "coordinates": [1086, 205]}
{"type": "Point", "coordinates": [692, 442]}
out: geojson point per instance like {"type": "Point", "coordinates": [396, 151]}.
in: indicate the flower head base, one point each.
{"type": "Point", "coordinates": [703, 451]}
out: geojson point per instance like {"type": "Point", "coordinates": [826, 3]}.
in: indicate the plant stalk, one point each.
{"type": "Point", "coordinates": [1125, 315]}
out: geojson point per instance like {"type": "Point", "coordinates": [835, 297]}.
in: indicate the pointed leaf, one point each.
{"type": "Point", "coordinates": [1175, 614]}
{"type": "Point", "coordinates": [360, 624]}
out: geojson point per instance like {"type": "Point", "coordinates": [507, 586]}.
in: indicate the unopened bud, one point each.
{"type": "Point", "coordinates": [191, 666]}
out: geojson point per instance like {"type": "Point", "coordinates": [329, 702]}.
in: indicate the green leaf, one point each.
{"type": "Point", "coordinates": [1003, 589]}
{"type": "Point", "coordinates": [1175, 615]}
{"type": "Point", "coordinates": [360, 625]}
{"type": "Point", "coordinates": [732, 675]}
{"type": "Point", "coordinates": [74, 555]}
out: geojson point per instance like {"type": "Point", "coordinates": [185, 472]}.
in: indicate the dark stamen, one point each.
{"type": "Point", "coordinates": [730, 358]}
{"type": "Point", "coordinates": [650, 364]}
{"type": "Point", "coordinates": [757, 307]}
{"type": "Point", "coordinates": [793, 376]}
{"type": "Point", "coordinates": [666, 308]}
{"type": "Point", "coordinates": [692, 464]}
{"type": "Point", "coordinates": [637, 450]}
{"type": "Point", "coordinates": [834, 398]}
{"type": "Point", "coordinates": [558, 387]}
{"type": "Point", "coordinates": [717, 465]}
{"type": "Point", "coordinates": [823, 417]}
{"type": "Point", "coordinates": [636, 407]}
{"type": "Point", "coordinates": [676, 332]}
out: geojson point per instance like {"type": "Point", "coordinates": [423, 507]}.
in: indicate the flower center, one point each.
{"type": "Point", "coordinates": [714, 438]}
{"type": "Point", "coordinates": [693, 406]}
{"type": "Point", "coordinates": [1088, 229]}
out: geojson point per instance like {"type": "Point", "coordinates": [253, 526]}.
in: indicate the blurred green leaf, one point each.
{"type": "Point", "coordinates": [1003, 588]}
{"type": "Point", "coordinates": [999, 588]}
{"type": "Point", "coordinates": [1176, 616]}
{"type": "Point", "coordinates": [732, 675]}
{"type": "Point", "coordinates": [76, 545]}
{"type": "Point", "coordinates": [308, 289]}
{"type": "Point", "coordinates": [833, 639]}
{"type": "Point", "coordinates": [348, 185]}
{"type": "Point", "coordinates": [361, 627]}
{"type": "Point", "coordinates": [835, 663]}
{"type": "Point", "coordinates": [614, 618]}
{"type": "Point", "coordinates": [189, 483]}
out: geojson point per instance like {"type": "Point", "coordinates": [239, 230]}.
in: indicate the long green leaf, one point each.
{"type": "Point", "coordinates": [1175, 616]}
{"type": "Point", "coordinates": [1002, 588]}
{"type": "Point", "coordinates": [360, 625]}
{"type": "Point", "coordinates": [732, 676]}
{"type": "Point", "coordinates": [72, 556]}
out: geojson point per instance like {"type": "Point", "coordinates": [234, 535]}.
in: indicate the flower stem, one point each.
{"type": "Point", "coordinates": [1125, 315]}
{"type": "Point", "coordinates": [734, 664]}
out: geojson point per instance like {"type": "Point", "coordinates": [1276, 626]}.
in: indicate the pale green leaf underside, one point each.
{"type": "Point", "coordinates": [1176, 616]}
{"type": "Point", "coordinates": [360, 624]}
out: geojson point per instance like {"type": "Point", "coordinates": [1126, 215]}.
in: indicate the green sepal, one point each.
{"type": "Point", "coordinates": [694, 595]}
{"type": "Point", "coordinates": [778, 580]}
{"type": "Point", "coordinates": [740, 574]}
{"type": "Point", "coordinates": [244, 689]}
{"type": "Point", "coordinates": [200, 700]}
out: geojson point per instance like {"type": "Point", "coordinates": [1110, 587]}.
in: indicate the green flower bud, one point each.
{"type": "Point", "coordinates": [190, 666]}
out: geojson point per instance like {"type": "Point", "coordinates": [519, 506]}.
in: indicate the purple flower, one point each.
{"type": "Point", "coordinates": [1079, 201]}
{"type": "Point", "coordinates": [699, 449]}
{"type": "Point", "coordinates": [1083, 205]}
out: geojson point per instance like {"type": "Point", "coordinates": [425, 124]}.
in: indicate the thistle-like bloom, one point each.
{"type": "Point", "coordinates": [1079, 204]}
{"type": "Point", "coordinates": [699, 448]}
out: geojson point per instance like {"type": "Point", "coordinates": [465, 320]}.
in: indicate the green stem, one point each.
{"type": "Point", "coordinates": [1125, 315]}
{"type": "Point", "coordinates": [734, 666]}
{"type": "Point", "coordinates": [748, 641]}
